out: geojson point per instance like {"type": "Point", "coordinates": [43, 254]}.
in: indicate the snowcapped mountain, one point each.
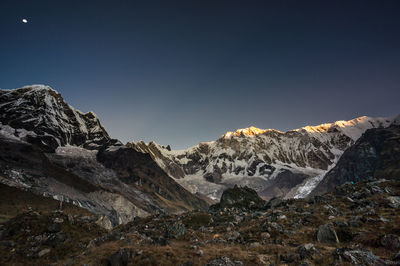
{"type": "Point", "coordinates": [39, 112]}
{"type": "Point", "coordinates": [273, 163]}
{"type": "Point", "coordinates": [54, 150]}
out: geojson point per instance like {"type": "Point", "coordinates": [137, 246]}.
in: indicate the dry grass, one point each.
{"type": "Point", "coordinates": [15, 201]}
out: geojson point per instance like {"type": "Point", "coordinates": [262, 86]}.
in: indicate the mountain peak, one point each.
{"type": "Point", "coordinates": [39, 87]}
{"type": "Point", "coordinates": [362, 122]}
{"type": "Point", "coordinates": [246, 132]}
{"type": "Point", "coordinates": [352, 128]}
{"type": "Point", "coordinates": [42, 110]}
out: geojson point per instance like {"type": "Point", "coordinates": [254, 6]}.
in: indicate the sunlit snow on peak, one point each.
{"type": "Point", "coordinates": [247, 132]}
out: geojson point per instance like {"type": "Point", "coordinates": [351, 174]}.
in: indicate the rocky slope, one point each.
{"type": "Point", "coordinates": [273, 163]}
{"type": "Point", "coordinates": [52, 149]}
{"type": "Point", "coordinates": [375, 155]}
{"type": "Point", "coordinates": [354, 225]}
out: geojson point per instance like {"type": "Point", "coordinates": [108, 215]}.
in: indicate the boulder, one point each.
{"type": "Point", "coordinates": [121, 257]}
{"type": "Point", "coordinates": [176, 230]}
{"type": "Point", "coordinates": [357, 257]}
{"type": "Point", "coordinates": [327, 234]}
{"type": "Point", "coordinates": [307, 251]}
{"type": "Point", "coordinates": [241, 198]}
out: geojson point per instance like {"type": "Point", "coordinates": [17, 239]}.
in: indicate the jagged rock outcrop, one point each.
{"type": "Point", "coordinates": [375, 155]}
{"type": "Point", "coordinates": [274, 163]}
{"type": "Point", "coordinates": [239, 197]}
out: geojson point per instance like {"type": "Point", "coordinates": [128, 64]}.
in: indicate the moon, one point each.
{"type": "Point", "coordinates": [24, 20]}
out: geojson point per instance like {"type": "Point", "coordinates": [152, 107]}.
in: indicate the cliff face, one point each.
{"type": "Point", "coordinates": [375, 155]}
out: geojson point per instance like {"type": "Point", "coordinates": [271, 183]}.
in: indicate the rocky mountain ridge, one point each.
{"type": "Point", "coordinates": [40, 113]}
{"type": "Point", "coordinates": [274, 163]}
{"type": "Point", "coordinates": [50, 148]}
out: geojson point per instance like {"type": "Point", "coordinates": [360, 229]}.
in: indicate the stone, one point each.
{"type": "Point", "coordinates": [224, 261]}
{"type": "Point", "coordinates": [390, 241]}
{"type": "Point", "coordinates": [341, 223]}
{"type": "Point", "coordinates": [58, 220]}
{"type": "Point", "coordinates": [377, 190]}
{"type": "Point", "coordinates": [350, 199]}
{"type": "Point", "coordinates": [282, 217]}
{"type": "Point", "coordinates": [265, 259]}
{"type": "Point", "coordinates": [388, 190]}
{"type": "Point", "coordinates": [255, 244]}
{"type": "Point", "coordinates": [176, 230]}
{"type": "Point", "coordinates": [54, 228]}
{"type": "Point", "coordinates": [327, 234]}
{"type": "Point", "coordinates": [265, 235]}
{"type": "Point", "coordinates": [383, 219]}
{"type": "Point", "coordinates": [105, 222]}
{"type": "Point", "coordinates": [357, 257]}
{"type": "Point", "coordinates": [394, 201]}
{"type": "Point", "coordinates": [290, 257]}
{"type": "Point", "coordinates": [87, 219]}
{"type": "Point", "coordinates": [121, 257]}
{"type": "Point", "coordinates": [234, 236]}
{"type": "Point", "coordinates": [44, 252]}
{"type": "Point", "coordinates": [307, 251]}
{"type": "Point", "coordinates": [344, 234]}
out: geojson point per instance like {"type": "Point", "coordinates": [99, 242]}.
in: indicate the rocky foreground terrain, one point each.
{"type": "Point", "coordinates": [356, 224]}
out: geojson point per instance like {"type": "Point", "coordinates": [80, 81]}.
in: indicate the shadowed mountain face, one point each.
{"type": "Point", "coordinates": [375, 155]}
{"type": "Point", "coordinates": [275, 164]}
{"type": "Point", "coordinates": [42, 110]}
{"type": "Point", "coordinates": [52, 149]}
{"type": "Point", "coordinates": [139, 170]}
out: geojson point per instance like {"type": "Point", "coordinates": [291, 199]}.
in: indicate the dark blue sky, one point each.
{"type": "Point", "coordinates": [181, 72]}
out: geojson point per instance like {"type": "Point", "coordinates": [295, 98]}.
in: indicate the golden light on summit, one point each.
{"type": "Point", "coordinates": [250, 131]}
